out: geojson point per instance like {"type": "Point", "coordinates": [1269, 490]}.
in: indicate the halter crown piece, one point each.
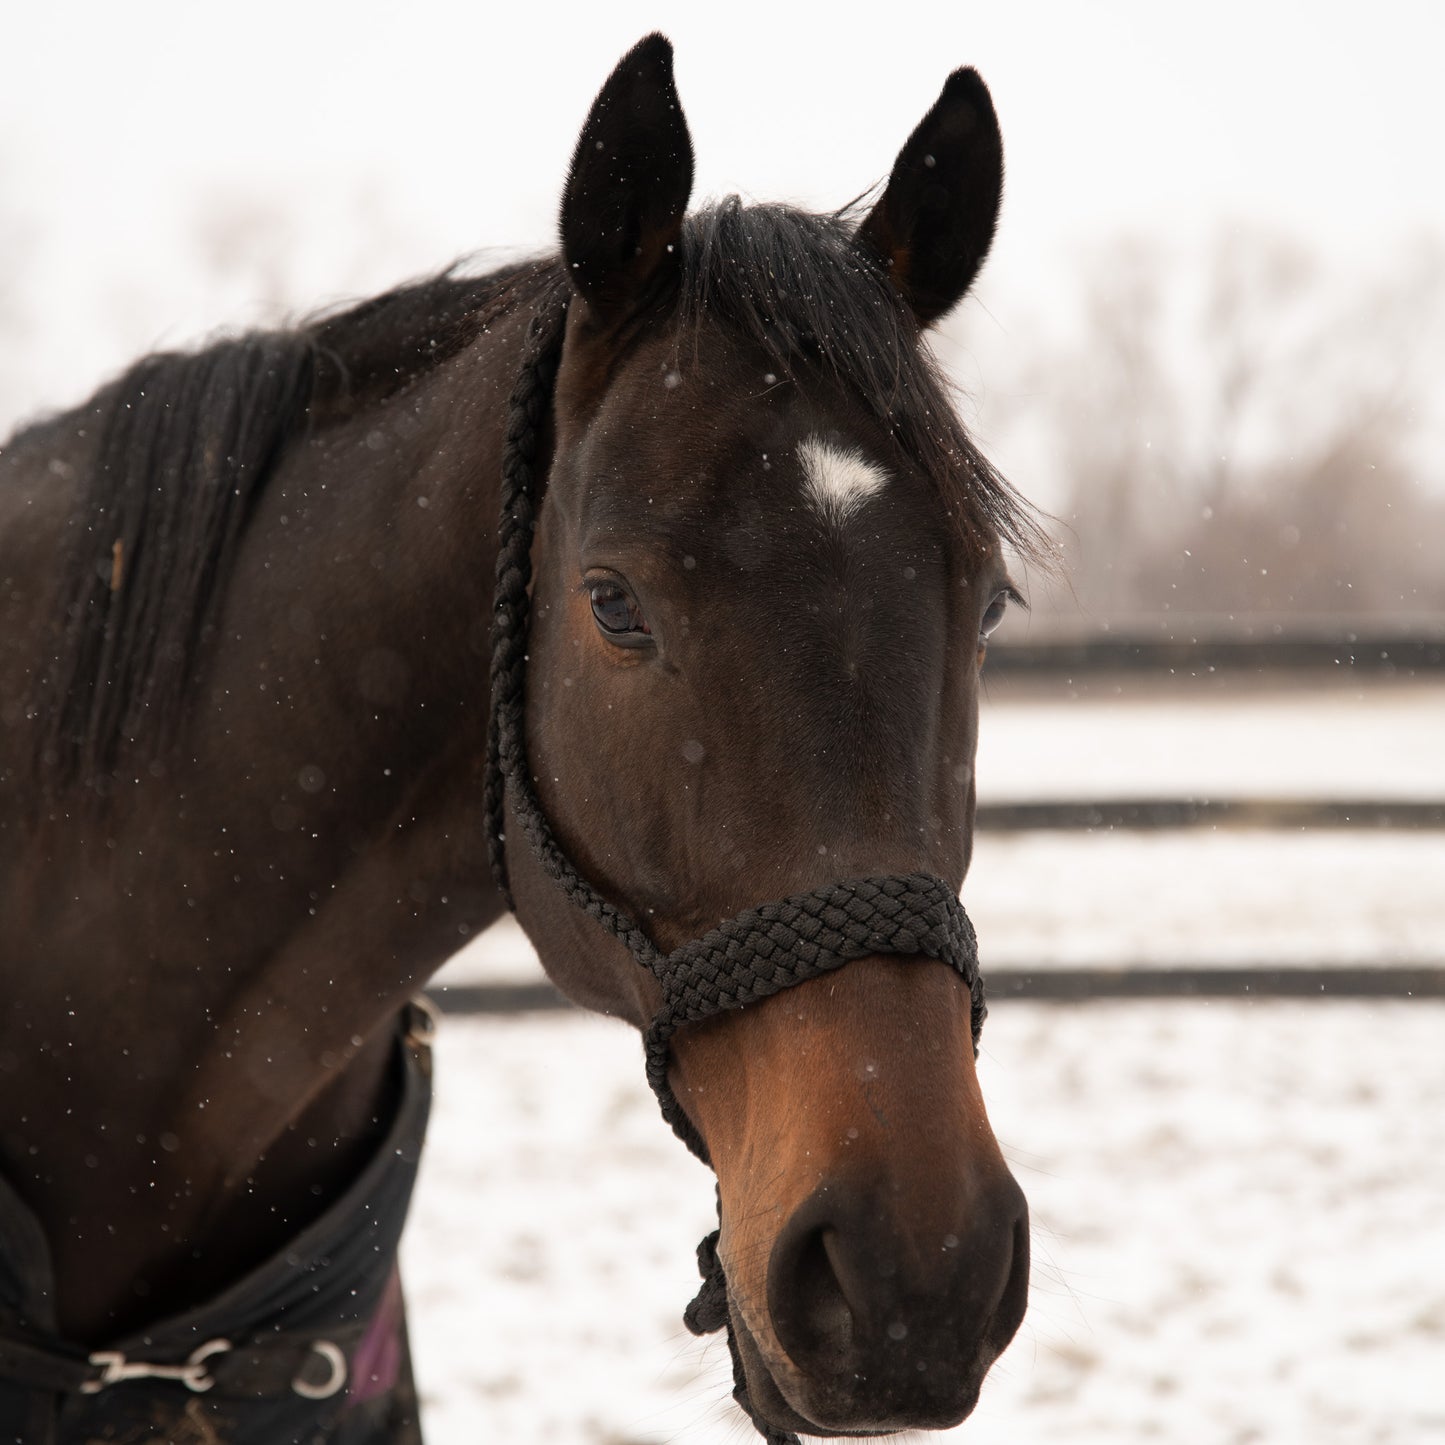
{"type": "Point", "coordinates": [744, 959]}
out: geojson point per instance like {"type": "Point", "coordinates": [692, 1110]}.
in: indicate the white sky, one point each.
{"type": "Point", "coordinates": [167, 168]}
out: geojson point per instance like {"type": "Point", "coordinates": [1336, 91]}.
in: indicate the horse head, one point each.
{"type": "Point", "coordinates": [766, 567]}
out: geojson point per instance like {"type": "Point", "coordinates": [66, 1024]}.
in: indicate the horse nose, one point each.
{"type": "Point", "coordinates": [894, 1324]}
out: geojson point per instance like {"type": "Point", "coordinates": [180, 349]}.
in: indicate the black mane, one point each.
{"type": "Point", "coordinates": [186, 443]}
{"type": "Point", "coordinates": [798, 286]}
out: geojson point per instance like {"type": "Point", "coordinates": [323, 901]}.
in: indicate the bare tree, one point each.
{"type": "Point", "coordinates": [1244, 437]}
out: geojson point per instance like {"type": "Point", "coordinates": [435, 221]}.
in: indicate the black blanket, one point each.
{"type": "Point", "coordinates": [317, 1348]}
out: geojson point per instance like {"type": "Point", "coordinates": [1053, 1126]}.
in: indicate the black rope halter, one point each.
{"type": "Point", "coordinates": [747, 958]}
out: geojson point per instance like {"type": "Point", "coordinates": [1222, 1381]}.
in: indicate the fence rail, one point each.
{"type": "Point", "coordinates": [1390, 652]}
{"type": "Point", "coordinates": [1088, 814]}
{"type": "Point", "coordinates": [1076, 985]}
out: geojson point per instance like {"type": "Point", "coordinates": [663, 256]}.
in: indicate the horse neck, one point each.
{"type": "Point", "coordinates": [265, 1026]}
{"type": "Point", "coordinates": [429, 544]}
{"type": "Point", "coordinates": [419, 554]}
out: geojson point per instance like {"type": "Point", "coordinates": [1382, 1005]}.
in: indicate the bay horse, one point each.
{"type": "Point", "coordinates": [246, 609]}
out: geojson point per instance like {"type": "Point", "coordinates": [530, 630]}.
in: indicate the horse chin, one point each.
{"type": "Point", "coordinates": [844, 1407]}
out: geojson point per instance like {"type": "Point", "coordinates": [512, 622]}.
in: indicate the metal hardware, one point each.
{"type": "Point", "coordinates": [116, 1369]}
{"type": "Point", "coordinates": [336, 1361]}
{"type": "Point", "coordinates": [425, 1019]}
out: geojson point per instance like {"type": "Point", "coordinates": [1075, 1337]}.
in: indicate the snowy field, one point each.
{"type": "Point", "coordinates": [1238, 1231]}
{"type": "Point", "coordinates": [1206, 895]}
{"type": "Point", "coordinates": [1286, 737]}
{"type": "Point", "coordinates": [1238, 1208]}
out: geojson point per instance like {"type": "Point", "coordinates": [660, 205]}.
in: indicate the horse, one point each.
{"type": "Point", "coordinates": [249, 606]}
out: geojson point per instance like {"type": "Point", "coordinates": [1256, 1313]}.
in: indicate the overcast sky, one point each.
{"type": "Point", "coordinates": [168, 168]}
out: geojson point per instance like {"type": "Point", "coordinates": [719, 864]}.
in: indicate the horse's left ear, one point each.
{"type": "Point", "coordinates": [628, 186]}
{"type": "Point", "coordinates": [935, 222]}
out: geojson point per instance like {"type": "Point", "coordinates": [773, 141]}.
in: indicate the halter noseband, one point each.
{"type": "Point", "coordinates": [744, 959]}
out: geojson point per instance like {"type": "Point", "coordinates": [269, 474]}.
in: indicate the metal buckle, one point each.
{"type": "Point", "coordinates": [333, 1382]}
{"type": "Point", "coordinates": [116, 1369]}
{"type": "Point", "coordinates": [423, 1022]}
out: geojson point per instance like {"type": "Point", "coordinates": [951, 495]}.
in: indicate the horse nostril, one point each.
{"type": "Point", "coordinates": [1015, 1298]}
{"type": "Point", "coordinates": [851, 1300]}
{"type": "Point", "coordinates": [811, 1315]}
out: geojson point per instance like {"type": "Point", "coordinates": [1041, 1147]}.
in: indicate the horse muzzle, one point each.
{"type": "Point", "coordinates": [874, 1333]}
{"type": "Point", "coordinates": [875, 1244]}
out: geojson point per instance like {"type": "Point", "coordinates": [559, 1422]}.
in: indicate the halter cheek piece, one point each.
{"type": "Point", "coordinates": [747, 958]}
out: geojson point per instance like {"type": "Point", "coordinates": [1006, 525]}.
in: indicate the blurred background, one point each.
{"type": "Point", "coordinates": [1210, 881]}
{"type": "Point", "coordinates": [1209, 339]}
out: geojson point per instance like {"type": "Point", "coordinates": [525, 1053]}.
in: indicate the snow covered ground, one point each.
{"type": "Point", "coordinates": [1238, 1208]}
{"type": "Point", "coordinates": [1202, 738]}
{"type": "Point", "coordinates": [1238, 1228]}
{"type": "Point", "coordinates": [1200, 896]}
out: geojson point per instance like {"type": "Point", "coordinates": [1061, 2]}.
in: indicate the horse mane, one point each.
{"type": "Point", "coordinates": [796, 285]}
{"type": "Point", "coordinates": [184, 446]}
{"type": "Point", "coordinates": [186, 442]}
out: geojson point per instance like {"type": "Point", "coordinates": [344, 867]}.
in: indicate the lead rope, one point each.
{"type": "Point", "coordinates": [506, 743]}
{"type": "Point", "coordinates": [743, 959]}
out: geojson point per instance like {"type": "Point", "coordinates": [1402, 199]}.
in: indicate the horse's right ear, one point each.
{"type": "Point", "coordinates": [628, 186]}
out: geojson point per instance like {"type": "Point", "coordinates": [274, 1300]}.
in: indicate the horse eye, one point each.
{"type": "Point", "coordinates": [617, 613]}
{"type": "Point", "coordinates": [992, 616]}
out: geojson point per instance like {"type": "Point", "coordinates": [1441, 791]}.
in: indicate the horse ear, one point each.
{"type": "Point", "coordinates": [628, 185]}
{"type": "Point", "coordinates": [935, 222]}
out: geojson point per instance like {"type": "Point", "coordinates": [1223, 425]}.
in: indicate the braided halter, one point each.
{"type": "Point", "coordinates": [744, 959]}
